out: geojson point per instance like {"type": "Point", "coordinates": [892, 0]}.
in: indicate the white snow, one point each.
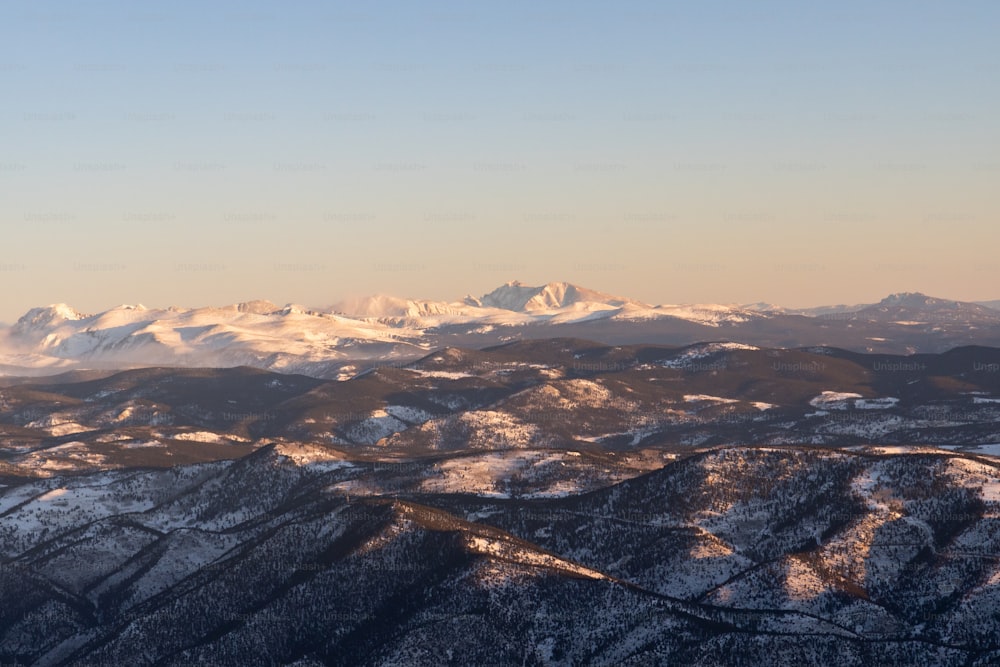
{"type": "Point", "coordinates": [296, 338]}
{"type": "Point", "coordinates": [490, 475]}
{"type": "Point", "coordinates": [833, 400]}
{"type": "Point", "coordinates": [900, 449]}
{"type": "Point", "coordinates": [312, 456]}
{"type": "Point", "coordinates": [712, 315]}
{"type": "Point", "coordinates": [206, 437]}
{"type": "Point", "coordinates": [379, 425]}
{"type": "Point", "coordinates": [408, 413]}
{"type": "Point", "coordinates": [447, 375]}
{"type": "Point", "coordinates": [552, 296]}
{"type": "Point", "coordinates": [70, 456]}
{"type": "Point", "coordinates": [983, 450]}
{"type": "Point", "coordinates": [692, 354]}
{"type": "Point", "coordinates": [57, 425]}
{"type": "Point", "coordinates": [227, 336]}
{"type": "Point", "coordinates": [67, 428]}
{"type": "Point", "coordinates": [506, 550]}
{"type": "Point", "coordinates": [699, 398]}
{"type": "Point", "coordinates": [88, 499]}
{"type": "Point", "coordinates": [876, 403]}
{"type": "Point", "coordinates": [52, 495]}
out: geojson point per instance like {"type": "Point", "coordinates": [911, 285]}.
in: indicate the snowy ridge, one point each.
{"type": "Point", "coordinates": [382, 306]}
{"type": "Point", "coordinates": [708, 314]}
{"type": "Point", "coordinates": [555, 303]}
{"type": "Point", "coordinates": [507, 550]}
{"type": "Point", "coordinates": [695, 353]}
{"type": "Point", "coordinates": [321, 342]}
{"type": "Point", "coordinates": [253, 333]}
{"type": "Point", "coordinates": [295, 338]}
{"type": "Point", "coordinates": [552, 296]}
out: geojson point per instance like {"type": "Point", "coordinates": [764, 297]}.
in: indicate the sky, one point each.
{"type": "Point", "coordinates": [193, 154]}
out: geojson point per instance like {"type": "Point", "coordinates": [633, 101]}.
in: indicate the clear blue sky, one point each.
{"type": "Point", "coordinates": [204, 153]}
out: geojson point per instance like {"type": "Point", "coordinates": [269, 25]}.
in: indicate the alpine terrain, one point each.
{"type": "Point", "coordinates": [556, 501]}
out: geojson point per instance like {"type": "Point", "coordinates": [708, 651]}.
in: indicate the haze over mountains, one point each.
{"type": "Point", "coordinates": [339, 341]}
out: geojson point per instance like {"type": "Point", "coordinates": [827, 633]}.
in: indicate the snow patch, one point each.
{"type": "Point", "coordinates": [876, 403]}
{"type": "Point", "coordinates": [692, 354]}
{"type": "Point", "coordinates": [446, 375]}
{"type": "Point", "coordinates": [705, 398]}
{"type": "Point", "coordinates": [207, 437]}
{"type": "Point", "coordinates": [505, 550]}
{"type": "Point", "coordinates": [833, 400]}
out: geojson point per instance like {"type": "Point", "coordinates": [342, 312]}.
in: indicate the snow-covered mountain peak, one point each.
{"type": "Point", "coordinates": [256, 307]}
{"type": "Point", "coordinates": [38, 318]}
{"type": "Point", "coordinates": [518, 297]}
{"type": "Point", "coordinates": [295, 309]}
{"type": "Point", "coordinates": [382, 306]}
{"type": "Point", "coordinates": [295, 338]}
{"type": "Point", "coordinates": [764, 307]}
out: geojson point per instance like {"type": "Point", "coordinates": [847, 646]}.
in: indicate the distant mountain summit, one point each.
{"type": "Point", "coordinates": [995, 304]}
{"type": "Point", "coordinates": [382, 306]}
{"type": "Point", "coordinates": [355, 335]}
{"type": "Point", "coordinates": [905, 307]}
{"type": "Point", "coordinates": [519, 297]}
{"type": "Point", "coordinates": [258, 307]}
{"type": "Point", "coordinates": [513, 296]}
{"type": "Point", "coordinates": [39, 318]}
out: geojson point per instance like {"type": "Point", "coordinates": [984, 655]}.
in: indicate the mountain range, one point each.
{"type": "Point", "coordinates": [351, 336]}
{"type": "Point", "coordinates": [540, 502]}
